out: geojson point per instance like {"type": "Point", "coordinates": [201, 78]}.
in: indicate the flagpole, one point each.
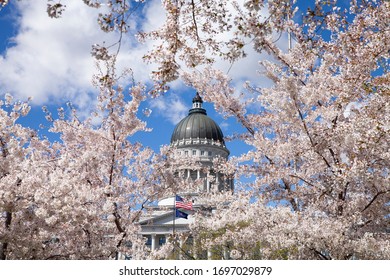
{"type": "Point", "coordinates": [173, 228]}
{"type": "Point", "coordinates": [174, 214]}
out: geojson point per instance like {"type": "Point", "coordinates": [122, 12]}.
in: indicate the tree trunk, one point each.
{"type": "Point", "coordinates": [4, 246]}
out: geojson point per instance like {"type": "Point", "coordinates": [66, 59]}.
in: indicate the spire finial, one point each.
{"type": "Point", "coordinates": [197, 101]}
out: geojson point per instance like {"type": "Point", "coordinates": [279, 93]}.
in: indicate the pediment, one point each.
{"type": "Point", "coordinates": [163, 218]}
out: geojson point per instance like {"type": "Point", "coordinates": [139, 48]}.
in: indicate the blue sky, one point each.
{"type": "Point", "coordinates": [49, 60]}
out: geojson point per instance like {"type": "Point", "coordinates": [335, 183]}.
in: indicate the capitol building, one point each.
{"type": "Point", "coordinates": [200, 137]}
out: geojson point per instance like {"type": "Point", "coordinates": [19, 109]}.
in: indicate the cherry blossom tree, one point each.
{"type": "Point", "coordinates": [319, 136]}
{"type": "Point", "coordinates": [3, 3]}
{"type": "Point", "coordinates": [80, 197]}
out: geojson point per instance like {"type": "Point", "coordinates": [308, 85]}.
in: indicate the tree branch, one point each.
{"type": "Point", "coordinates": [194, 20]}
{"type": "Point", "coordinates": [287, 187]}
{"type": "Point", "coordinates": [321, 255]}
{"type": "Point", "coordinates": [374, 198]}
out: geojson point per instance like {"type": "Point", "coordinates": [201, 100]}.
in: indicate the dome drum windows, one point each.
{"type": "Point", "coordinates": [193, 174]}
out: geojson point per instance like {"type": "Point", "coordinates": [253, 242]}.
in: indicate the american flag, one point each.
{"type": "Point", "coordinates": [180, 204]}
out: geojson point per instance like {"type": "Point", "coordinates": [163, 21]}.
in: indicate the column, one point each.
{"type": "Point", "coordinates": [225, 253]}
{"type": "Point", "coordinates": [154, 242]}
{"type": "Point", "coordinates": [198, 177]}
{"type": "Point", "coordinates": [209, 254]}
{"type": "Point", "coordinates": [194, 249]}
{"type": "Point", "coordinates": [218, 187]}
{"type": "Point", "coordinates": [181, 242]}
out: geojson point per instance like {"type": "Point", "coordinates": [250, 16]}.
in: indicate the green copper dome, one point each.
{"type": "Point", "coordinates": [197, 125]}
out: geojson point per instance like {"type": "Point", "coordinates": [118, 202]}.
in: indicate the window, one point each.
{"type": "Point", "coordinates": [194, 174]}
{"type": "Point", "coordinates": [202, 153]}
{"type": "Point", "coordinates": [194, 152]}
{"type": "Point", "coordinates": [149, 241]}
{"type": "Point", "coordinates": [162, 240]}
{"type": "Point", "coordinates": [186, 153]}
{"type": "Point", "coordinates": [210, 154]}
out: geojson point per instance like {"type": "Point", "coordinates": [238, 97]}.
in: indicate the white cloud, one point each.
{"type": "Point", "coordinates": [224, 125]}
{"type": "Point", "coordinates": [244, 69]}
{"type": "Point", "coordinates": [51, 59]}
{"type": "Point", "coordinates": [171, 107]}
{"type": "Point", "coordinates": [51, 56]}
{"type": "Point", "coordinates": [352, 108]}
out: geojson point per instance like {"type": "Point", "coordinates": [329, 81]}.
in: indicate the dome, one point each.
{"type": "Point", "coordinates": [197, 125]}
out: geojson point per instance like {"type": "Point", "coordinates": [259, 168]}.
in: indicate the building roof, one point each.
{"type": "Point", "coordinates": [197, 125]}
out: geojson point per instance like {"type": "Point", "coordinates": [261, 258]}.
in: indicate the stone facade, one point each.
{"type": "Point", "coordinates": [196, 136]}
